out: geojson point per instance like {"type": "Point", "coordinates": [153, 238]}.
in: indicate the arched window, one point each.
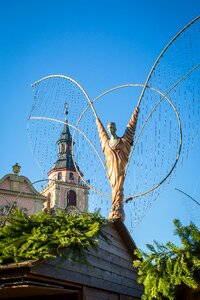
{"type": "Point", "coordinates": [48, 201]}
{"type": "Point", "coordinates": [59, 175]}
{"type": "Point", "coordinates": [71, 176]}
{"type": "Point", "coordinates": [71, 198]}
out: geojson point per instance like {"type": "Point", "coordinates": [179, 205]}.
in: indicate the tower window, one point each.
{"type": "Point", "coordinates": [63, 148]}
{"type": "Point", "coordinates": [48, 205]}
{"type": "Point", "coordinates": [59, 175]}
{"type": "Point", "coordinates": [71, 176]}
{"type": "Point", "coordinates": [71, 198]}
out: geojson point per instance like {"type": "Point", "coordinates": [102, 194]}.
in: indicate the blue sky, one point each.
{"type": "Point", "coordinates": [100, 44]}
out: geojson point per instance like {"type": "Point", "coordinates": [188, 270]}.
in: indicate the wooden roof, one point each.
{"type": "Point", "coordinates": [110, 270]}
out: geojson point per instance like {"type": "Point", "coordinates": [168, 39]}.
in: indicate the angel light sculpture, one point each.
{"type": "Point", "coordinates": [169, 101]}
{"type": "Point", "coordinates": [117, 152]}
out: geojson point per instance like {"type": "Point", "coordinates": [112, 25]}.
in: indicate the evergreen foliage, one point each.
{"type": "Point", "coordinates": [167, 266]}
{"type": "Point", "coordinates": [45, 235]}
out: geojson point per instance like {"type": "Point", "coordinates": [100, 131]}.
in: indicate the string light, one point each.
{"type": "Point", "coordinates": [159, 142]}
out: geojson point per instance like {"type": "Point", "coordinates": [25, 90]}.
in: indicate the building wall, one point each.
{"type": "Point", "coordinates": [18, 189]}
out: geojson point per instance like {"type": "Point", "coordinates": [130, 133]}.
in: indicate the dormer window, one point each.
{"type": "Point", "coordinates": [71, 176]}
{"type": "Point", "coordinates": [59, 175]}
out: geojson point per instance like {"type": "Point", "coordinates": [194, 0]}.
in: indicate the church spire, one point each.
{"type": "Point", "coordinates": [65, 146]}
{"type": "Point", "coordinates": [66, 106]}
{"type": "Point", "coordinates": [65, 187]}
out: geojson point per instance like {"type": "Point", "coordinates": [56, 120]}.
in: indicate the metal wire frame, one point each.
{"type": "Point", "coordinates": [80, 118]}
{"type": "Point", "coordinates": [142, 94]}
{"type": "Point", "coordinates": [180, 129]}
{"type": "Point", "coordinates": [72, 80]}
{"type": "Point", "coordinates": [161, 54]}
{"type": "Point", "coordinates": [198, 203]}
{"type": "Point", "coordinates": [76, 129]}
{"type": "Point", "coordinates": [139, 101]}
{"type": "Point", "coordinates": [164, 96]}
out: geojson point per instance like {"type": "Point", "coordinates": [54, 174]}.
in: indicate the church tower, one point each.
{"type": "Point", "coordinates": [65, 187]}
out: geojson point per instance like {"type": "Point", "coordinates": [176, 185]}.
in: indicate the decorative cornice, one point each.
{"type": "Point", "coordinates": [22, 194]}
{"type": "Point", "coordinates": [56, 170]}
{"type": "Point", "coordinates": [65, 184]}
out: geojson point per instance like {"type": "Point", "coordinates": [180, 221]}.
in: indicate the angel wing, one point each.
{"type": "Point", "coordinates": [166, 135]}
{"type": "Point", "coordinates": [45, 125]}
{"type": "Point", "coordinates": [50, 97]}
{"type": "Point", "coordinates": [176, 73]}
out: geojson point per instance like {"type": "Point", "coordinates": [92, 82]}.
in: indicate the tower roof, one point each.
{"type": "Point", "coordinates": [65, 160]}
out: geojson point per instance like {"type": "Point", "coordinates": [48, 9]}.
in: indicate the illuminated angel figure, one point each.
{"type": "Point", "coordinates": [169, 101]}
